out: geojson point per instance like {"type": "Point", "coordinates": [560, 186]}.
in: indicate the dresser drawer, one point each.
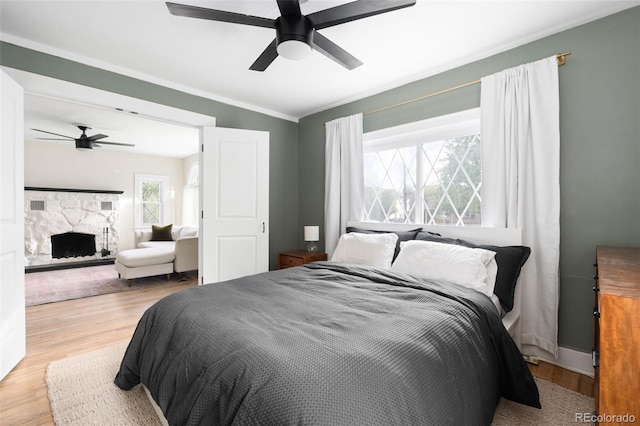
{"type": "Point", "coordinates": [289, 261]}
{"type": "Point", "coordinates": [298, 257]}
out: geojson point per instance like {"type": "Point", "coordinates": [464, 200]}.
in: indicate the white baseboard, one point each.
{"type": "Point", "coordinates": [570, 359]}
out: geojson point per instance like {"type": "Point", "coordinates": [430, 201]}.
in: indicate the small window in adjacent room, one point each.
{"type": "Point", "coordinates": [425, 172]}
{"type": "Point", "coordinates": [152, 200]}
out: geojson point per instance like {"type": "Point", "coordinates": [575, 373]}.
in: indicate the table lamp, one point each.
{"type": "Point", "coordinates": [312, 236]}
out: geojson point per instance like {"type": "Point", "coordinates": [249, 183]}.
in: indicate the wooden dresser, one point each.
{"type": "Point", "coordinates": [617, 335]}
{"type": "Point", "coordinates": [298, 257]}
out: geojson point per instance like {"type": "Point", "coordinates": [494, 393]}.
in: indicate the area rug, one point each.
{"type": "Point", "coordinates": [76, 283]}
{"type": "Point", "coordinates": [82, 392]}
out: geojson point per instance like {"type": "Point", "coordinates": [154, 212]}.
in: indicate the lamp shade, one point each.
{"type": "Point", "coordinates": [312, 233]}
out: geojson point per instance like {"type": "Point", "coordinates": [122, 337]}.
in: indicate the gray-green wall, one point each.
{"type": "Point", "coordinates": [283, 147]}
{"type": "Point", "coordinates": [600, 146]}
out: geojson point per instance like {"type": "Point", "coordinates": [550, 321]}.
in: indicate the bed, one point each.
{"type": "Point", "coordinates": [328, 343]}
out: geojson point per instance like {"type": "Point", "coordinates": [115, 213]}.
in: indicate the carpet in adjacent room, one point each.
{"type": "Point", "coordinates": [76, 283]}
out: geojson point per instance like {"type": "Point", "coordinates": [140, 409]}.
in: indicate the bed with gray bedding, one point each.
{"type": "Point", "coordinates": [326, 344]}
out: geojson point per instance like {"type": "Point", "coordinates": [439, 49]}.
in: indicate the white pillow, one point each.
{"type": "Point", "coordinates": [175, 232]}
{"type": "Point", "coordinates": [464, 266]}
{"type": "Point", "coordinates": [188, 231]}
{"type": "Point", "coordinates": [366, 249]}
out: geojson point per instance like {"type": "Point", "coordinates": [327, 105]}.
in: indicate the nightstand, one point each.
{"type": "Point", "coordinates": [298, 257]}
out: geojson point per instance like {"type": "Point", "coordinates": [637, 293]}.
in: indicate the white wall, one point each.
{"type": "Point", "coordinates": [62, 166]}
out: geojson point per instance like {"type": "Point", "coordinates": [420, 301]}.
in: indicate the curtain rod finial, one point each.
{"type": "Point", "coordinates": [560, 57]}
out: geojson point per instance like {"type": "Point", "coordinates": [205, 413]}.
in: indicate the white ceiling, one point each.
{"type": "Point", "coordinates": [142, 39]}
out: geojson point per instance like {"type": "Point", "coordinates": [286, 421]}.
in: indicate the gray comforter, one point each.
{"type": "Point", "coordinates": [326, 344]}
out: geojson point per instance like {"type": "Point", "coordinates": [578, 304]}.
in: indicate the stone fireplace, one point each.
{"type": "Point", "coordinates": [67, 226]}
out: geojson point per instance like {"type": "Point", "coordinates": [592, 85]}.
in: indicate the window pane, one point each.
{"type": "Point", "coordinates": [451, 190]}
{"type": "Point", "coordinates": [151, 213]}
{"type": "Point", "coordinates": [151, 191]}
{"type": "Point", "coordinates": [390, 185]}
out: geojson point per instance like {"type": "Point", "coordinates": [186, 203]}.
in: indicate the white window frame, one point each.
{"type": "Point", "coordinates": [462, 123]}
{"type": "Point", "coordinates": [164, 200]}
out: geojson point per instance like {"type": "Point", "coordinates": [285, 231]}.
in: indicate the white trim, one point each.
{"type": "Point", "coordinates": [569, 359]}
{"type": "Point", "coordinates": [477, 234]}
{"type": "Point", "coordinates": [138, 75]}
{"type": "Point", "coordinates": [433, 129]}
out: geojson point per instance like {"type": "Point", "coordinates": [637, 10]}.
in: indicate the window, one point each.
{"type": "Point", "coordinates": [151, 200]}
{"type": "Point", "coordinates": [426, 172]}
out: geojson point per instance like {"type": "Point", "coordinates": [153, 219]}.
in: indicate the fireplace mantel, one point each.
{"type": "Point", "coordinates": [90, 191]}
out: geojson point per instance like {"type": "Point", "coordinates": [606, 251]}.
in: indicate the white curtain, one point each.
{"type": "Point", "coordinates": [521, 185]}
{"type": "Point", "coordinates": [190, 206]}
{"type": "Point", "coordinates": [344, 177]}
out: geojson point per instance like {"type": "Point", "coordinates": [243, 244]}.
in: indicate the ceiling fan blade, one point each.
{"type": "Point", "coordinates": [218, 15]}
{"type": "Point", "coordinates": [335, 52]}
{"type": "Point", "coordinates": [266, 57]}
{"type": "Point", "coordinates": [54, 139]}
{"type": "Point", "coordinates": [289, 7]}
{"type": "Point", "coordinates": [96, 137]}
{"type": "Point", "coordinates": [355, 10]}
{"type": "Point", "coordinates": [51, 133]}
{"type": "Point", "coordinates": [113, 143]}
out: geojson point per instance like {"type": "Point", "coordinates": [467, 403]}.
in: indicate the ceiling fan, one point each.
{"type": "Point", "coordinates": [83, 142]}
{"type": "Point", "coordinates": [297, 34]}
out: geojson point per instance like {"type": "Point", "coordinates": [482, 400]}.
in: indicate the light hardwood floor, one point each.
{"type": "Point", "coordinates": [65, 329]}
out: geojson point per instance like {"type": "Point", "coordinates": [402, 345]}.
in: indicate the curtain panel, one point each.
{"type": "Point", "coordinates": [190, 206]}
{"type": "Point", "coordinates": [521, 185]}
{"type": "Point", "coordinates": [344, 177]}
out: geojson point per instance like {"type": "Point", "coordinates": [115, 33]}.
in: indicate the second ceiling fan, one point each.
{"type": "Point", "coordinates": [83, 142]}
{"type": "Point", "coordinates": [297, 34]}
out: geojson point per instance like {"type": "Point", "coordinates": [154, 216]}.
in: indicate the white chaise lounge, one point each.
{"type": "Point", "coordinates": [145, 262]}
{"type": "Point", "coordinates": [150, 258]}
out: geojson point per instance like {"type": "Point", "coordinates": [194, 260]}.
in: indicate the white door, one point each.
{"type": "Point", "coordinates": [234, 200]}
{"type": "Point", "coordinates": [12, 310]}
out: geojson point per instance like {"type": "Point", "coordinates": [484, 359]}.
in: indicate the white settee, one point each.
{"type": "Point", "coordinates": [184, 243]}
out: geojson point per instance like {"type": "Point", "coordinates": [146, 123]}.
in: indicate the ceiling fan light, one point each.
{"type": "Point", "coordinates": [294, 49]}
{"type": "Point", "coordinates": [83, 145]}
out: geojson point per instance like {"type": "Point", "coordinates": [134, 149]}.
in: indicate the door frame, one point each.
{"type": "Point", "coordinates": [12, 305]}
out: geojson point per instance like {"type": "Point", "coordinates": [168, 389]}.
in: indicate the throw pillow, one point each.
{"type": "Point", "coordinates": [161, 233]}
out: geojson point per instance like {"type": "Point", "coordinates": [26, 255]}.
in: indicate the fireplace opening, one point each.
{"type": "Point", "coordinates": [73, 244]}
